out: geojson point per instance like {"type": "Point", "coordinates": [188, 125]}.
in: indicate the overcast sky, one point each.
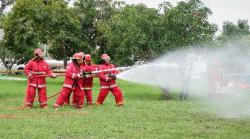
{"type": "Point", "coordinates": [223, 10]}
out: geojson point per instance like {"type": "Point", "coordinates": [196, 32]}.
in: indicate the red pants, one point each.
{"type": "Point", "coordinates": [78, 96]}
{"type": "Point", "coordinates": [88, 94]}
{"type": "Point", "coordinates": [31, 93]}
{"type": "Point", "coordinates": [67, 99]}
{"type": "Point", "coordinates": [115, 91]}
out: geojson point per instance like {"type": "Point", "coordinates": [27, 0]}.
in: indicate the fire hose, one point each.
{"type": "Point", "coordinates": [95, 72]}
{"type": "Point", "coordinates": [23, 106]}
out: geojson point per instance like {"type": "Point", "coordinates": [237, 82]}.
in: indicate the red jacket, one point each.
{"type": "Point", "coordinates": [105, 80]}
{"type": "Point", "coordinates": [37, 68]}
{"type": "Point", "coordinates": [72, 77]}
{"type": "Point", "coordinates": [88, 82]}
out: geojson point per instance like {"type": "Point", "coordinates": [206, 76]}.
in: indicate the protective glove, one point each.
{"type": "Point", "coordinates": [113, 77]}
{"type": "Point", "coordinates": [86, 76]}
{"type": "Point", "coordinates": [79, 75]}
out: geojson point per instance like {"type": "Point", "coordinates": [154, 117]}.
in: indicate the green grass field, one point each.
{"type": "Point", "coordinates": [145, 115]}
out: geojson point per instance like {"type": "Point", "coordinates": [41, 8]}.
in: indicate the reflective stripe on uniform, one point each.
{"type": "Point", "coordinates": [29, 75]}
{"type": "Point", "coordinates": [39, 73]}
{"type": "Point", "coordinates": [87, 88]}
{"type": "Point", "coordinates": [41, 85]}
{"type": "Point", "coordinates": [112, 86]}
{"type": "Point", "coordinates": [32, 84]}
{"type": "Point", "coordinates": [106, 87]}
{"type": "Point", "coordinates": [67, 85]}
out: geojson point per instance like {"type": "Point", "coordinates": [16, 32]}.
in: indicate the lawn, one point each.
{"type": "Point", "coordinates": [144, 115]}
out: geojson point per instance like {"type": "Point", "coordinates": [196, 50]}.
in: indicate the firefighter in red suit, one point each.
{"type": "Point", "coordinates": [36, 70]}
{"type": "Point", "coordinates": [84, 68]}
{"type": "Point", "coordinates": [88, 80]}
{"type": "Point", "coordinates": [73, 82]}
{"type": "Point", "coordinates": [108, 83]}
{"type": "Point", "coordinates": [215, 78]}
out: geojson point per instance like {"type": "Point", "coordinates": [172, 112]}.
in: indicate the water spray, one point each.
{"type": "Point", "coordinates": [219, 77]}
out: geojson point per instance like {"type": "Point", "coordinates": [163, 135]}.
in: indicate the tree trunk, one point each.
{"type": "Point", "coordinates": [65, 62]}
{"type": "Point", "coordinates": [7, 65]}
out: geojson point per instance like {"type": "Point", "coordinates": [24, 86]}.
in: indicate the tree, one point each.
{"type": "Point", "coordinates": [186, 24]}
{"type": "Point", "coordinates": [33, 23]}
{"type": "Point", "coordinates": [243, 27]}
{"type": "Point", "coordinates": [91, 12]}
{"type": "Point", "coordinates": [140, 33]}
{"type": "Point", "coordinates": [234, 31]}
{"type": "Point", "coordinates": [23, 27]}
{"type": "Point", "coordinates": [6, 56]}
{"type": "Point", "coordinates": [165, 6]}
{"type": "Point", "coordinates": [129, 32]}
{"type": "Point", "coordinates": [65, 35]}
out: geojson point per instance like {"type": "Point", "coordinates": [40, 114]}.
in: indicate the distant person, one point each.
{"type": "Point", "coordinates": [108, 82]}
{"type": "Point", "coordinates": [73, 82]}
{"type": "Point", "coordinates": [215, 77]}
{"type": "Point", "coordinates": [36, 71]}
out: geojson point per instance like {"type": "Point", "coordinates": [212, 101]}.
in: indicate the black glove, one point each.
{"type": "Point", "coordinates": [112, 76]}
{"type": "Point", "coordinates": [86, 74]}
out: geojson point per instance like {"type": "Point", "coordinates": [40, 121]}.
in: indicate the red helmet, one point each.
{"type": "Point", "coordinates": [88, 57]}
{"type": "Point", "coordinates": [105, 56]}
{"type": "Point", "coordinates": [38, 52]}
{"type": "Point", "coordinates": [82, 53]}
{"type": "Point", "coordinates": [78, 56]}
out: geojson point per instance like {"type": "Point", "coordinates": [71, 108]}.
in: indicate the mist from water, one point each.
{"type": "Point", "coordinates": [219, 77]}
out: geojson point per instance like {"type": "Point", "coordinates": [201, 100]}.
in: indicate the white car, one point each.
{"type": "Point", "coordinates": [14, 67]}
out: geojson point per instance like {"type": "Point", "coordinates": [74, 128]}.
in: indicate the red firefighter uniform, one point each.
{"type": "Point", "coordinates": [108, 83]}
{"type": "Point", "coordinates": [36, 70]}
{"type": "Point", "coordinates": [87, 81]}
{"type": "Point", "coordinates": [88, 66]}
{"type": "Point", "coordinates": [72, 82]}
{"type": "Point", "coordinates": [215, 78]}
